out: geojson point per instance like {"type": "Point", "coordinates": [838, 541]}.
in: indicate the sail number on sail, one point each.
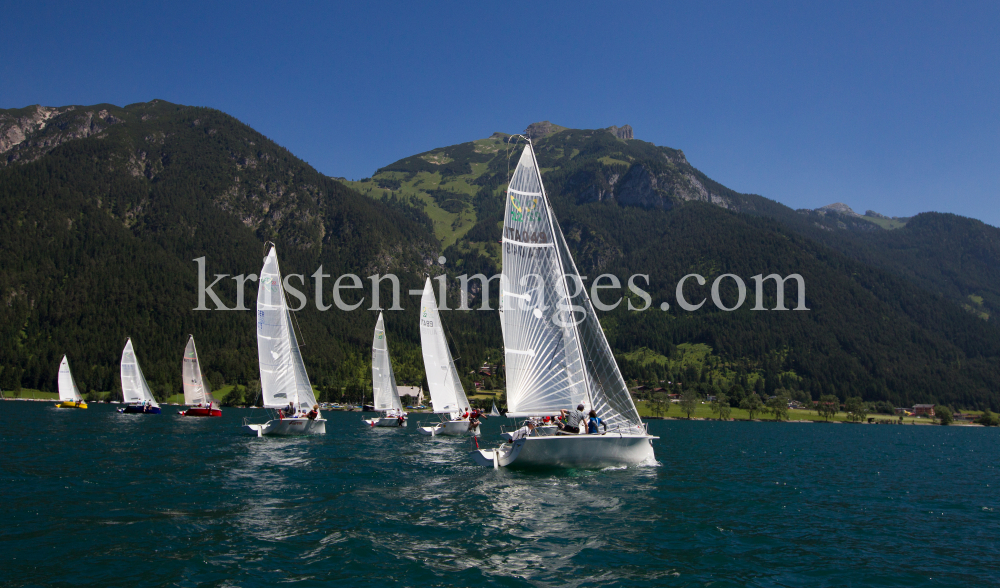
{"type": "Point", "coordinates": [534, 237]}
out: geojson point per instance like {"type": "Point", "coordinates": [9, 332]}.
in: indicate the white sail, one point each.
{"type": "Point", "coordinates": [135, 390]}
{"type": "Point", "coordinates": [383, 378]}
{"type": "Point", "coordinates": [68, 392]}
{"type": "Point", "coordinates": [283, 377]}
{"type": "Point", "coordinates": [556, 353]}
{"type": "Point", "coordinates": [494, 412]}
{"type": "Point", "coordinates": [194, 384]}
{"type": "Point", "coordinates": [447, 395]}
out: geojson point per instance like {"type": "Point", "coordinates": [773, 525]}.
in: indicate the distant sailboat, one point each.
{"type": "Point", "coordinates": [69, 394]}
{"type": "Point", "coordinates": [198, 399]}
{"type": "Point", "coordinates": [137, 396]}
{"type": "Point", "coordinates": [384, 383]}
{"type": "Point", "coordinates": [557, 356]}
{"type": "Point", "coordinates": [447, 396]}
{"type": "Point", "coordinates": [283, 379]}
{"type": "Point", "coordinates": [495, 412]}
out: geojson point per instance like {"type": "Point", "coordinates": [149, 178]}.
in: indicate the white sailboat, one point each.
{"type": "Point", "coordinates": [136, 395]}
{"type": "Point", "coordinates": [447, 396]}
{"type": "Point", "coordinates": [69, 394]}
{"type": "Point", "coordinates": [283, 379]}
{"type": "Point", "coordinates": [557, 356]}
{"type": "Point", "coordinates": [384, 383]}
{"type": "Point", "coordinates": [495, 412]}
{"type": "Point", "coordinates": [196, 396]}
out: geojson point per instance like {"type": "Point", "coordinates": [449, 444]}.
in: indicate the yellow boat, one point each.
{"type": "Point", "coordinates": [69, 394]}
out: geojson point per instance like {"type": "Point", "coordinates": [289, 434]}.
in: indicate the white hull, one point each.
{"type": "Point", "coordinates": [453, 428]}
{"type": "Point", "coordinates": [385, 422]}
{"type": "Point", "coordinates": [570, 451]}
{"type": "Point", "coordinates": [297, 426]}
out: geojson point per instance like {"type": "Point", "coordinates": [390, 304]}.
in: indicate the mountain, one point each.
{"type": "Point", "coordinates": [887, 319]}
{"type": "Point", "coordinates": [103, 210]}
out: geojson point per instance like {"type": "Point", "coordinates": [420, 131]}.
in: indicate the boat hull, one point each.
{"type": "Point", "coordinates": [450, 428]}
{"type": "Point", "coordinates": [201, 412]}
{"type": "Point", "coordinates": [386, 422]}
{"type": "Point", "coordinates": [134, 409]}
{"type": "Point", "coordinates": [296, 426]}
{"type": "Point", "coordinates": [570, 451]}
{"type": "Point", "coordinates": [71, 404]}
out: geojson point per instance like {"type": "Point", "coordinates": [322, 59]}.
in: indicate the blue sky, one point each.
{"type": "Point", "coordinates": [892, 106]}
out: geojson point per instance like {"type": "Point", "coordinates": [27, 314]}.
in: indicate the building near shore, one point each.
{"type": "Point", "coordinates": [411, 395]}
{"type": "Point", "coordinates": [923, 409]}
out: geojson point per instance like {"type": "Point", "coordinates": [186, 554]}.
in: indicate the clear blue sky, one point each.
{"type": "Point", "coordinates": [881, 105]}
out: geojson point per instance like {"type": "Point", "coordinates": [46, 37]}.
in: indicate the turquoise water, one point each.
{"type": "Point", "coordinates": [94, 498]}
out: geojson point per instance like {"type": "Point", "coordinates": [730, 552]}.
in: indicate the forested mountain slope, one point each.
{"type": "Point", "coordinates": [103, 209]}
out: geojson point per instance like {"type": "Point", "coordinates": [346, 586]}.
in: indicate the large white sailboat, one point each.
{"type": "Point", "coordinates": [384, 383]}
{"type": "Point", "coordinates": [557, 356]}
{"type": "Point", "coordinates": [447, 396]}
{"type": "Point", "coordinates": [136, 395]}
{"type": "Point", "coordinates": [283, 379]}
{"type": "Point", "coordinates": [69, 394]}
{"type": "Point", "coordinates": [196, 396]}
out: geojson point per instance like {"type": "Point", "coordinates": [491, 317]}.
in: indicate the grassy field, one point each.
{"type": "Point", "coordinates": [449, 227]}
{"type": "Point", "coordinates": [29, 393]}
{"type": "Point", "coordinates": [704, 411]}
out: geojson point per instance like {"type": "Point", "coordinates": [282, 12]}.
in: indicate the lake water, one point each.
{"type": "Point", "coordinates": [94, 498]}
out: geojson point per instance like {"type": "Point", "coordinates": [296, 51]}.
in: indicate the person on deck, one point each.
{"type": "Point", "coordinates": [593, 423]}
{"type": "Point", "coordinates": [522, 432]}
{"type": "Point", "coordinates": [290, 410]}
{"type": "Point", "coordinates": [571, 420]}
{"type": "Point", "coordinates": [313, 413]}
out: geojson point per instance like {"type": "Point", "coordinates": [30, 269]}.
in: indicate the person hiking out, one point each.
{"type": "Point", "coordinates": [571, 420]}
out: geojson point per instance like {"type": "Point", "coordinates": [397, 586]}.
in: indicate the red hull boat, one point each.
{"type": "Point", "coordinates": [203, 412]}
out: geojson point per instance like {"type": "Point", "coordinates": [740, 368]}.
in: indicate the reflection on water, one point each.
{"type": "Point", "coordinates": [266, 481]}
{"type": "Point", "coordinates": [730, 504]}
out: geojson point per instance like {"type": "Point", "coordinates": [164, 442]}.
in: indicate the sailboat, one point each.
{"type": "Point", "coordinates": [447, 396]}
{"type": "Point", "coordinates": [557, 356]}
{"type": "Point", "coordinates": [136, 395]}
{"type": "Point", "coordinates": [283, 379]}
{"type": "Point", "coordinates": [384, 383]}
{"type": "Point", "coordinates": [198, 399]}
{"type": "Point", "coordinates": [495, 412]}
{"type": "Point", "coordinates": [69, 394]}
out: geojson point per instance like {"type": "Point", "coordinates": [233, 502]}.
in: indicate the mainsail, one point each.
{"type": "Point", "coordinates": [383, 379]}
{"type": "Point", "coordinates": [68, 392]}
{"type": "Point", "coordinates": [557, 354]}
{"type": "Point", "coordinates": [135, 390]}
{"type": "Point", "coordinates": [194, 384]}
{"type": "Point", "coordinates": [283, 377]}
{"type": "Point", "coordinates": [447, 395]}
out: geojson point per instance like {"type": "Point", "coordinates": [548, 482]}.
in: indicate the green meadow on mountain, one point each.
{"type": "Point", "coordinates": [103, 210]}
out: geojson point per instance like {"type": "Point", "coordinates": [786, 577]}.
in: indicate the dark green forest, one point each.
{"type": "Point", "coordinates": [103, 211]}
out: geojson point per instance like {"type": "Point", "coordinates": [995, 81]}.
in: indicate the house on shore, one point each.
{"type": "Point", "coordinates": [410, 395]}
{"type": "Point", "coordinates": [923, 410]}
